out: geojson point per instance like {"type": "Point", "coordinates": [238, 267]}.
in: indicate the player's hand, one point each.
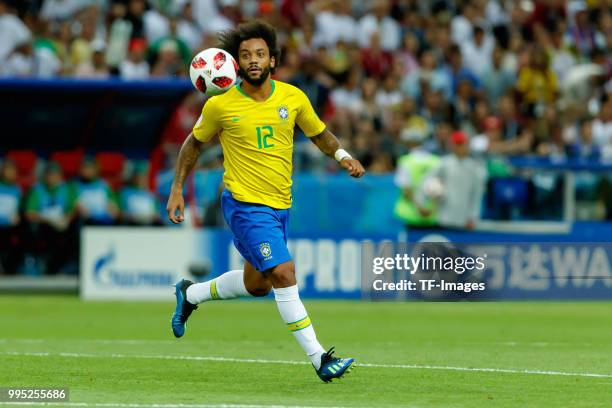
{"type": "Point", "coordinates": [176, 207]}
{"type": "Point", "coordinates": [354, 168]}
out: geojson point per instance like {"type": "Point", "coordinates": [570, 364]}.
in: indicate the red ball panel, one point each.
{"type": "Point", "coordinates": [201, 84]}
{"type": "Point", "coordinates": [222, 82]}
{"type": "Point", "coordinates": [198, 63]}
{"type": "Point", "coordinates": [219, 60]}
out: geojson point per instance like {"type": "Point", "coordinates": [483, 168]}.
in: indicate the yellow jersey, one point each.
{"type": "Point", "coordinates": [257, 140]}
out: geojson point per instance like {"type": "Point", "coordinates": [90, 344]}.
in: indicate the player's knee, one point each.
{"type": "Point", "coordinates": [261, 290]}
{"type": "Point", "coordinates": [283, 275]}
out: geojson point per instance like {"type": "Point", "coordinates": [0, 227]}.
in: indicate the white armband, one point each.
{"type": "Point", "coordinates": [342, 154]}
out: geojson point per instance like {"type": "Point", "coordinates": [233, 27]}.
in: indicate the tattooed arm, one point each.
{"type": "Point", "coordinates": [188, 156]}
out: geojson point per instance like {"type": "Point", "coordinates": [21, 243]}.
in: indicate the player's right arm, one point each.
{"type": "Point", "coordinates": [205, 128]}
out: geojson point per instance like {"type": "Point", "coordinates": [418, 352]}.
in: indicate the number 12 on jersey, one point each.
{"type": "Point", "coordinates": [263, 134]}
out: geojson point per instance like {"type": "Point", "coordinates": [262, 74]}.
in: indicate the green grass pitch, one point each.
{"type": "Point", "coordinates": [121, 354]}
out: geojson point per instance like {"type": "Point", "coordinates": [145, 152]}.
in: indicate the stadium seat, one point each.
{"type": "Point", "coordinates": [69, 161]}
{"type": "Point", "coordinates": [25, 161]}
{"type": "Point", "coordinates": [509, 196]}
{"type": "Point", "coordinates": [510, 190]}
{"type": "Point", "coordinates": [111, 166]}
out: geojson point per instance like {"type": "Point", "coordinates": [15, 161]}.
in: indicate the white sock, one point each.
{"type": "Point", "coordinates": [294, 314]}
{"type": "Point", "coordinates": [230, 285]}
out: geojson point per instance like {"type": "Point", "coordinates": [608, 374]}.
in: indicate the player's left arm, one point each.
{"type": "Point", "coordinates": [328, 143]}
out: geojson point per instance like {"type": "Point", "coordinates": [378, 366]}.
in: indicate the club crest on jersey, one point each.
{"type": "Point", "coordinates": [265, 250]}
{"type": "Point", "coordinates": [283, 112]}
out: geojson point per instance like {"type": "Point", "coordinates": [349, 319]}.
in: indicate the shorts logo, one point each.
{"type": "Point", "coordinates": [265, 250]}
{"type": "Point", "coordinates": [283, 112]}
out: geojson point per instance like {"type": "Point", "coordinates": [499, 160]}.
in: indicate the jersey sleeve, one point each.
{"type": "Point", "coordinates": [307, 119]}
{"type": "Point", "coordinates": [208, 123]}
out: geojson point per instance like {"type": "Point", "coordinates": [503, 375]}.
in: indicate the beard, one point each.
{"type": "Point", "coordinates": [265, 73]}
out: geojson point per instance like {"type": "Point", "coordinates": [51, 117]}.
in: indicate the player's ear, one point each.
{"type": "Point", "coordinates": [272, 62]}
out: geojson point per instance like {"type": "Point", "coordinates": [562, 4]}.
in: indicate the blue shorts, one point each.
{"type": "Point", "coordinates": [260, 232]}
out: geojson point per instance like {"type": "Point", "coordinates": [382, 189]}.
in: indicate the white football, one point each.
{"type": "Point", "coordinates": [433, 187]}
{"type": "Point", "coordinates": [213, 71]}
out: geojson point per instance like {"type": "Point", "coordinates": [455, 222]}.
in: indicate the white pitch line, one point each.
{"type": "Point", "coordinates": [290, 362]}
{"type": "Point", "coordinates": [125, 405]}
{"type": "Point", "coordinates": [172, 342]}
{"type": "Point", "coordinates": [110, 341]}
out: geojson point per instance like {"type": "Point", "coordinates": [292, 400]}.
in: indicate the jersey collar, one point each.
{"type": "Point", "coordinates": [248, 96]}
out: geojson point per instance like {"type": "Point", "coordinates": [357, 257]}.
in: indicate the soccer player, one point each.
{"type": "Point", "coordinates": [255, 122]}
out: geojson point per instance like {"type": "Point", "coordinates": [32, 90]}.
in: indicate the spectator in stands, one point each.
{"type": "Point", "coordinates": [156, 21]}
{"type": "Point", "coordinates": [477, 51]}
{"type": "Point", "coordinates": [428, 75]}
{"type": "Point", "coordinates": [537, 82]}
{"type": "Point", "coordinates": [458, 72]}
{"type": "Point", "coordinates": [32, 59]}
{"type": "Point", "coordinates": [172, 37]}
{"type": "Point", "coordinates": [434, 109]}
{"type": "Point", "coordinates": [548, 133]}
{"type": "Point", "coordinates": [496, 79]}
{"type": "Point", "coordinates": [222, 15]}
{"type": "Point", "coordinates": [10, 196]}
{"type": "Point", "coordinates": [62, 38]}
{"type": "Point", "coordinates": [21, 63]}
{"type": "Point", "coordinates": [95, 201]}
{"type": "Point", "coordinates": [36, 58]}
{"type": "Point", "coordinates": [187, 28]}
{"type": "Point", "coordinates": [381, 164]}
{"type": "Point", "coordinates": [137, 204]}
{"type": "Point", "coordinates": [61, 9]}
{"type": "Point", "coordinates": [462, 25]}
{"type": "Point", "coordinates": [513, 127]}
{"type": "Point", "coordinates": [49, 210]}
{"type": "Point", "coordinates": [135, 15]}
{"type": "Point", "coordinates": [168, 62]}
{"type": "Point", "coordinates": [492, 139]}
{"type": "Point", "coordinates": [378, 20]}
{"type": "Point", "coordinates": [457, 185]}
{"type": "Point", "coordinates": [81, 50]}
{"type": "Point", "coordinates": [368, 107]}
{"type": "Point", "coordinates": [561, 58]}
{"type": "Point", "coordinates": [582, 35]}
{"type": "Point", "coordinates": [464, 102]}
{"type": "Point", "coordinates": [376, 61]}
{"type": "Point", "coordinates": [311, 82]}
{"type": "Point", "coordinates": [135, 66]}
{"type": "Point", "coordinates": [363, 145]}
{"type": "Point", "coordinates": [585, 147]}
{"type": "Point", "coordinates": [602, 127]}
{"type": "Point", "coordinates": [407, 55]}
{"type": "Point", "coordinates": [389, 95]}
{"type": "Point", "coordinates": [439, 144]}
{"type": "Point", "coordinates": [13, 32]}
{"type": "Point", "coordinates": [291, 65]}
{"type": "Point", "coordinates": [304, 40]}
{"type": "Point", "coordinates": [334, 22]}
{"type": "Point", "coordinates": [95, 68]}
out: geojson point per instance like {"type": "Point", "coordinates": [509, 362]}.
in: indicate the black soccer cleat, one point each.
{"type": "Point", "coordinates": [333, 367]}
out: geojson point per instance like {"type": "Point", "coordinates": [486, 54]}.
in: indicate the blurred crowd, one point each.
{"type": "Point", "coordinates": [40, 224]}
{"type": "Point", "coordinates": [529, 76]}
{"type": "Point", "coordinates": [392, 78]}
